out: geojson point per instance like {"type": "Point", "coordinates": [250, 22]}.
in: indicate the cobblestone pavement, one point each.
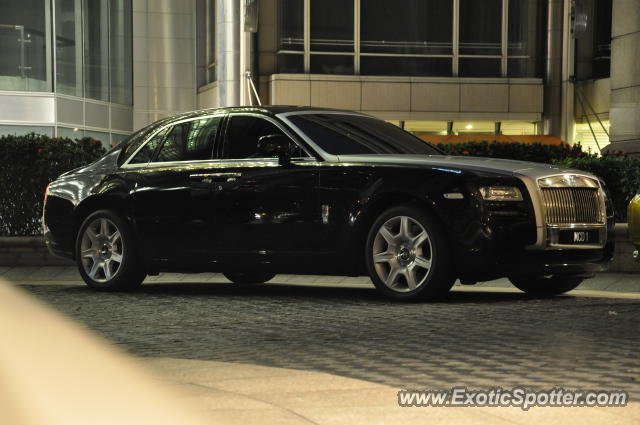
{"type": "Point", "coordinates": [474, 339]}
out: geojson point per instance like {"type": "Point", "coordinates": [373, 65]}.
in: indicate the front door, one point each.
{"type": "Point", "coordinates": [266, 212]}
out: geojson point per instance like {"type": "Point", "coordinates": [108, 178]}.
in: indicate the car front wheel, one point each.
{"type": "Point", "coordinates": [106, 253]}
{"type": "Point", "coordinates": [407, 255]}
{"type": "Point", "coordinates": [546, 286]}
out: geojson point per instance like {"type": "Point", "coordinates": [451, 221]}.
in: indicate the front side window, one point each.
{"type": "Point", "coordinates": [359, 135]}
{"type": "Point", "coordinates": [243, 134]}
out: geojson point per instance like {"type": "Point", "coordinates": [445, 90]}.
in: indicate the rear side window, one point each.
{"type": "Point", "coordinates": [190, 141]}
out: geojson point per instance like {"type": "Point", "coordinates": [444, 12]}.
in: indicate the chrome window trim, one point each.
{"type": "Point", "coordinates": [127, 164]}
{"type": "Point", "coordinates": [287, 132]}
{"type": "Point", "coordinates": [220, 163]}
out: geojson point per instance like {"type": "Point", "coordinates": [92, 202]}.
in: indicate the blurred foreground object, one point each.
{"type": "Point", "coordinates": [54, 372]}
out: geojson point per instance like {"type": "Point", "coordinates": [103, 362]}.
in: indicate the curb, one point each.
{"type": "Point", "coordinates": [28, 251]}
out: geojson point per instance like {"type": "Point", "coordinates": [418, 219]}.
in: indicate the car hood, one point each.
{"type": "Point", "coordinates": [464, 163]}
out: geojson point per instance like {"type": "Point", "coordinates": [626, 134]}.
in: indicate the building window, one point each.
{"type": "Point", "coordinates": [120, 52]}
{"type": "Point", "coordinates": [331, 26]}
{"type": "Point", "coordinates": [93, 47]}
{"type": "Point", "coordinates": [406, 37]}
{"type": "Point", "coordinates": [593, 39]}
{"type": "Point", "coordinates": [68, 21]}
{"type": "Point", "coordinates": [291, 36]}
{"type": "Point", "coordinates": [331, 36]}
{"type": "Point", "coordinates": [24, 43]}
{"type": "Point", "coordinates": [480, 27]}
{"type": "Point", "coordinates": [96, 49]}
{"type": "Point", "coordinates": [107, 66]}
{"type": "Point", "coordinates": [523, 46]}
{"type": "Point", "coordinates": [467, 38]}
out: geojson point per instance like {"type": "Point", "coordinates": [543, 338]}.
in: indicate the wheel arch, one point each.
{"type": "Point", "coordinates": [99, 202]}
{"type": "Point", "coordinates": [375, 207]}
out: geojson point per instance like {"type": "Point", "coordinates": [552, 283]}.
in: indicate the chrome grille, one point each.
{"type": "Point", "coordinates": [569, 205]}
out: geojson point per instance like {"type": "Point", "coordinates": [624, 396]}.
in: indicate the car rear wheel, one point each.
{"type": "Point", "coordinates": [246, 278]}
{"type": "Point", "coordinates": [106, 253]}
{"type": "Point", "coordinates": [407, 255]}
{"type": "Point", "coordinates": [546, 286]}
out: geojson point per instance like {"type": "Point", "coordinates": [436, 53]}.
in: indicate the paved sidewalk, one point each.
{"type": "Point", "coordinates": [341, 354]}
{"type": "Point", "coordinates": [233, 393]}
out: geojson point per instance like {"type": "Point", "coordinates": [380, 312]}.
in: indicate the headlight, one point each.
{"type": "Point", "coordinates": [500, 193]}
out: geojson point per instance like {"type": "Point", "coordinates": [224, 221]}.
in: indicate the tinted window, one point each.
{"type": "Point", "coordinates": [243, 135]}
{"type": "Point", "coordinates": [352, 135]}
{"type": "Point", "coordinates": [134, 141]}
{"type": "Point", "coordinates": [190, 141]}
{"type": "Point", "coordinates": [145, 154]}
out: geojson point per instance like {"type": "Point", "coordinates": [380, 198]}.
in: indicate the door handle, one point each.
{"type": "Point", "coordinates": [211, 177]}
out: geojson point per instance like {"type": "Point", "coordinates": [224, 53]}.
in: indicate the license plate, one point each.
{"type": "Point", "coordinates": [579, 237]}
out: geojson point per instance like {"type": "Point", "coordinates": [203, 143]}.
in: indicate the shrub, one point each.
{"type": "Point", "coordinates": [29, 163]}
{"type": "Point", "coordinates": [621, 174]}
{"type": "Point", "coordinates": [536, 152]}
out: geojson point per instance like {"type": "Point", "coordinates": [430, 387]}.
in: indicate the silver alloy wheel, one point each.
{"type": "Point", "coordinates": [402, 254]}
{"type": "Point", "coordinates": [101, 250]}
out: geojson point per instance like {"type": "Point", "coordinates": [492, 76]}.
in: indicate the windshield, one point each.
{"type": "Point", "coordinates": [338, 134]}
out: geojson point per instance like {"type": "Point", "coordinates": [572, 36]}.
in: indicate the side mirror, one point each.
{"type": "Point", "coordinates": [277, 145]}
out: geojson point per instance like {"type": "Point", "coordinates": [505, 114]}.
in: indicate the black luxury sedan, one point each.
{"type": "Point", "coordinates": [255, 191]}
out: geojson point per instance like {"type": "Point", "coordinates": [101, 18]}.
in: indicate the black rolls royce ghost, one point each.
{"type": "Point", "coordinates": [251, 192]}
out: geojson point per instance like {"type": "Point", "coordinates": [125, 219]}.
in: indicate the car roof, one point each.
{"type": "Point", "coordinates": [270, 110]}
{"type": "Point", "coordinates": [267, 110]}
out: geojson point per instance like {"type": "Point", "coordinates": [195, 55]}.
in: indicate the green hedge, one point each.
{"type": "Point", "coordinates": [620, 172]}
{"type": "Point", "coordinates": [29, 163]}
{"type": "Point", "coordinates": [536, 152]}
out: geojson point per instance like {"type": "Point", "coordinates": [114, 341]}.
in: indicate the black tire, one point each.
{"type": "Point", "coordinates": [546, 286]}
{"type": "Point", "coordinates": [247, 278]}
{"type": "Point", "coordinates": [429, 283]}
{"type": "Point", "coordinates": [126, 275]}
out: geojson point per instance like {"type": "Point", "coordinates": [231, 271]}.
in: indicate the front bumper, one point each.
{"type": "Point", "coordinates": [503, 255]}
{"type": "Point", "coordinates": [542, 267]}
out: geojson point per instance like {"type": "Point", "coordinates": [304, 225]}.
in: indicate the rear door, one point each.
{"type": "Point", "coordinates": [172, 203]}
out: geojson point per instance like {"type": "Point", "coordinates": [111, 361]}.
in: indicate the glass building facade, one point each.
{"type": "Point", "coordinates": [75, 49]}
{"type": "Point", "coordinates": [441, 38]}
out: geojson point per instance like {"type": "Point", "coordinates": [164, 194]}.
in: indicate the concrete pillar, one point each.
{"type": "Point", "coordinates": [552, 115]}
{"type": "Point", "coordinates": [163, 59]}
{"type": "Point", "coordinates": [228, 52]}
{"type": "Point", "coordinates": [624, 113]}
